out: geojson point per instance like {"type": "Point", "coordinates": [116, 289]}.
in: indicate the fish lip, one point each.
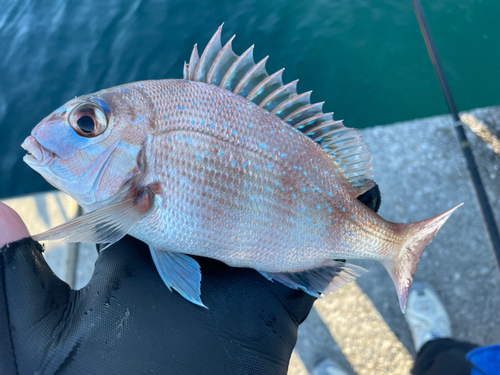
{"type": "Point", "coordinates": [37, 154]}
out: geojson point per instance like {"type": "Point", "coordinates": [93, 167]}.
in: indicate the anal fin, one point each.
{"type": "Point", "coordinates": [181, 272]}
{"type": "Point", "coordinates": [322, 280]}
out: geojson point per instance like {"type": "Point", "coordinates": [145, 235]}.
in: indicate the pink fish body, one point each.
{"type": "Point", "coordinates": [227, 163]}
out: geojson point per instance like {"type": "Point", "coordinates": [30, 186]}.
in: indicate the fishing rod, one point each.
{"type": "Point", "coordinates": [462, 137]}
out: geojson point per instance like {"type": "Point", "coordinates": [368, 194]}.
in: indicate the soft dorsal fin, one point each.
{"type": "Point", "coordinates": [220, 66]}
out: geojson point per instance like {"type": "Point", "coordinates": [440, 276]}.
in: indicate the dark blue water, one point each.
{"type": "Point", "coordinates": [366, 59]}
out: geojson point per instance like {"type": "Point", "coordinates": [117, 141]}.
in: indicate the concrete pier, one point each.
{"type": "Point", "coordinates": [421, 173]}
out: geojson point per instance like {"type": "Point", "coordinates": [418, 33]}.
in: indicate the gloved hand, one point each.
{"type": "Point", "coordinates": [126, 321]}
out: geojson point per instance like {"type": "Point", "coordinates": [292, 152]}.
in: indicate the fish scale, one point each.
{"type": "Point", "coordinates": [236, 113]}
{"type": "Point", "coordinates": [255, 163]}
{"type": "Point", "coordinates": [248, 204]}
{"type": "Point", "coordinates": [227, 163]}
{"type": "Point", "coordinates": [247, 126]}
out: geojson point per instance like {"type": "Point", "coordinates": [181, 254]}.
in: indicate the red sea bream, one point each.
{"type": "Point", "coordinates": [227, 163]}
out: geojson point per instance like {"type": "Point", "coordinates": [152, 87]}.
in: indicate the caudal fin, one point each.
{"type": "Point", "coordinates": [402, 268]}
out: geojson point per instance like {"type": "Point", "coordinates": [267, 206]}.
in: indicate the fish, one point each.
{"type": "Point", "coordinates": [228, 163]}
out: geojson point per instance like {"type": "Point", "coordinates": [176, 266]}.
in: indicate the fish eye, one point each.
{"type": "Point", "coordinates": [88, 120]}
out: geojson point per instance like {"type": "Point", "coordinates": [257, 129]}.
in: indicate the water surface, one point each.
{"type": "Point", "coordinates": [366, 59]}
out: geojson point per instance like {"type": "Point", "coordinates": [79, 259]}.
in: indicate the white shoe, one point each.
{"type": "Point", "coordinates": [426, 315]}
{"type": "Point", "coordinates": [328, 367]}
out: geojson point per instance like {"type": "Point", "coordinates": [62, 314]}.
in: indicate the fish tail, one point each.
{"type": "Point", "coordinates": [403, 266]}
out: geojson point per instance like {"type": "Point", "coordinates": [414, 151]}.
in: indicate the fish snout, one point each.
{"type": "Point", "coordinates": [37, 154]}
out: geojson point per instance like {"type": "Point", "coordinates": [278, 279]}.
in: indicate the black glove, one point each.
{"type": "Point", "coordinates": [126, 321]}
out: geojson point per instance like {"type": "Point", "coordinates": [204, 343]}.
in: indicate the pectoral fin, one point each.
{"type": "Point", "coordinates": [181, 272]}
{"type": "Point", "coordinates": [107, 224]}
{"type": "Point", "coordinates": [322, 280]}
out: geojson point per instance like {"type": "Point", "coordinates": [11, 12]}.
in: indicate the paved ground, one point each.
{"type": "Point", "coordinates": [421, 173]}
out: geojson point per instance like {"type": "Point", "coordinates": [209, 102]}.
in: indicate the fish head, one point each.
{"type": "Point", "coordinates": [90, 147]}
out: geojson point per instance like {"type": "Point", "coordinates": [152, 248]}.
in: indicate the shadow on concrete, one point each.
{"type": "Point", "coordinates": [315, 343]}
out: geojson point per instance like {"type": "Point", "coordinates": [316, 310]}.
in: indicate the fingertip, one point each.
{"type": "Point", "coordinates": [12, 226]}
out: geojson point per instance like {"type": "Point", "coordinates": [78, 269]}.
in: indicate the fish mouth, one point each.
{"type": "Point", "coordinates": [37, 154]}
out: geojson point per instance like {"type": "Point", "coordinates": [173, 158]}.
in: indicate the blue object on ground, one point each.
{"type": "Point", "coordinates": [486, 360]}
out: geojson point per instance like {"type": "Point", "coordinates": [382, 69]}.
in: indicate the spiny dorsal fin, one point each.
{"type": "Point", "coordinates": [220, 66]}
{"type": "Point", "coordinates": [223, 61]}
{"type": "Point", "coordinates": [207, 58]}
{"type": "Point", "coordinates": [193, 61]}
